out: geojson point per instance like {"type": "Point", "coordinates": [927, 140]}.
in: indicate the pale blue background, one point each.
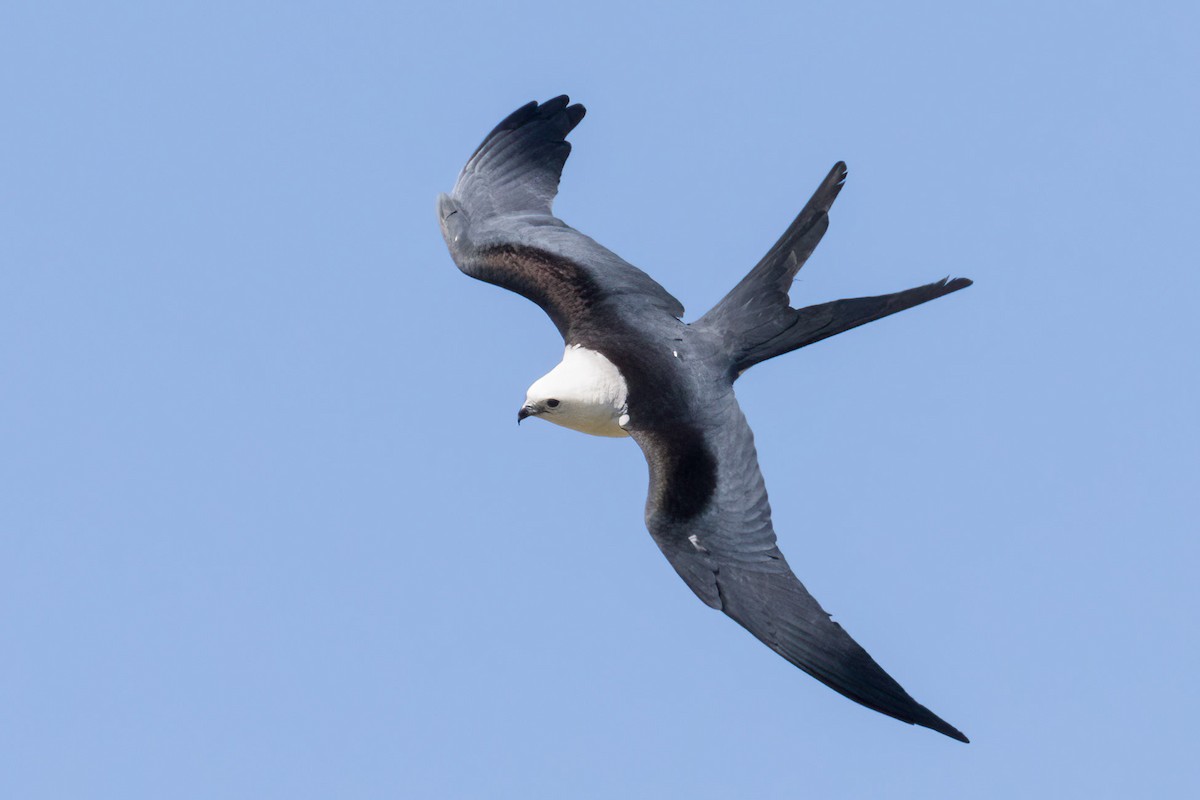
{"type": "Point", "coordinates": [267, 528]}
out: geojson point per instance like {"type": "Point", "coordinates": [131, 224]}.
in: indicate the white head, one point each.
{"type": "Point", "coordinates": [585, 392]}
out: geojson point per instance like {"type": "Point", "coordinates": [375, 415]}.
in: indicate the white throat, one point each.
{"type": "Point", "coordinates": [590, 393]}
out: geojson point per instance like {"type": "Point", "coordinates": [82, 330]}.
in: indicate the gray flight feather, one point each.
{"type": "Point", "coordinates": [707, 505]}
{"type": "Point", "coordinates": [727, 554]}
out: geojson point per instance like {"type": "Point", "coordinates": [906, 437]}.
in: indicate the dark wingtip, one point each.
{"type": "Point", "coordinates": [927, 719]}
{"type": "Point", "coordinates": [562, 104]}
{"type": "Point", "coordinates": [954, 284]}
{"type": "Point", "coordinates": [519, 117]}
{"type": "Point", "coordinates": [534, 111]}
{"type": "Point", "coordinates": [575, 114]}
{"type": "Point", "coordinates": [945, 728]}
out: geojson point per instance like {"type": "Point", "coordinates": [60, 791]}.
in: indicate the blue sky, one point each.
{"type": "Point", "coordinates": [268, 529]}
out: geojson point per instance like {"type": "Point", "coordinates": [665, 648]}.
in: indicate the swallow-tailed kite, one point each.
{"type": "Point", "coordinates": [632, 368]}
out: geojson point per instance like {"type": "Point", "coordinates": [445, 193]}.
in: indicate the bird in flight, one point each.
{"type": "Point", "coordinates": [633, 368]}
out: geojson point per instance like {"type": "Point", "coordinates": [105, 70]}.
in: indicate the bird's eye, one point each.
{"type": "Point", "coordinates": [551, 404]}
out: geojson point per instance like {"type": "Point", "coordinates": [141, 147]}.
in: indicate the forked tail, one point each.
{"type": "Point", "coordinates": [757, 318]}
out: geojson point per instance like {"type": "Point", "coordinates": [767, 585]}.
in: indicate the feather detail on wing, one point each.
{"type": "Point", "coordinates": [500, 228]}
{"type": "Point", "coordinates": [708, 512]}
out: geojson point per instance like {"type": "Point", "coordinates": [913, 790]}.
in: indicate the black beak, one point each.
{"type": "Point", "coordinates": [525, 411]}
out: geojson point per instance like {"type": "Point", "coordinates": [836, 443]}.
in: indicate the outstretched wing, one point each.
{"type": "Point", "coordinates": [499, 226]}
{"type": "Point", "coordinates": [708, 512]}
